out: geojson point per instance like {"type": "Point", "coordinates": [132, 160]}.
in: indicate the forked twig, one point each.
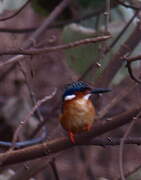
{"type": "Point", "coordinates": [50, 49]}
{"type": "Point", "coordinates": [22, 123]}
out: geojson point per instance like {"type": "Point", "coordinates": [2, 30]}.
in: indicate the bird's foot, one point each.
{"type": "Point", "coordinates": [87, 127]}
{"type": "Point", "coordinates": [72, 137]}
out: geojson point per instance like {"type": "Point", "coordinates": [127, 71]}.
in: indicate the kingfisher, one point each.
{"type": "Point", "coordinates": [78, 111]}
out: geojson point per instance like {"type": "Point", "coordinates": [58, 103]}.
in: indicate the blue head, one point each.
{"type": "Point", "coordinates": [77, 86]}
{"type": "Point", "coordinates": [80, 86]}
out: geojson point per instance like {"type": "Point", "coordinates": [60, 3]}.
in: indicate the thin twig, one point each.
{"type": "Point", "coordinates": [130, 71]}
{"type": "Point", "coordinates": [54, 168]}
{"type": "Point", "coordinates": [121, 149]}
{"type": "Point", "coordinates": [89, 69]}
{"type": "Point", "coordinates": [131, 172]}
{"type": "Point", "coordinates": [132, 59]}
{"type": "Point", "coordinates": [41, 125]}
{"type": "Point", "coordinates": [50, 49]}
{"type": "Point", "coordinates": [121, 33]}
{"type": "Point", "coordinates": [34, 37]}
{"type": "Point", "coordinates": [107, 15]}
{"type": "Point", "coordinates": [22, 123]}
{"type": "Point", "coordinates": [26, 143]}
{"type": "Point", "coordinates": [122, 144]}
{"type": "Point", "coordinates": [51, 18]}
{"type": "Point", "coordinates": [93, 66]}
{"type": "Point", "coordinates": [7, 72]}
{"type": "Point", "coordinates": [18, 30]}
{"type": "Point", "coordinates": [116, 100]}
{"type": "Point", "coordinates": [55, 48]}
{"type": "Point", "coordinates": [54, 25]}
{"type": "Point", "coordinates": [105, 141]}
{"type": "Point", "coordinates": [121, 2]}
{"type": "Point", "coordinates": [16, 13]}
{"type": "Point", "coordinates": [32, 94]}
{"type": "Point", "coordinates": [112, 141]}
{"type": "Point", "coordinates": [117, 59]}
{"type": "Point", "coordinates": [34, 167]}
{"type": "Point", "coordinates": [129, 62]}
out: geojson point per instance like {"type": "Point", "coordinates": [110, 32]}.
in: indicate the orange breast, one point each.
{"type": "Point", "coordinates": [78, 114]}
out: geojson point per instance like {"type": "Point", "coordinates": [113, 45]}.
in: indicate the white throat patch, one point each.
{"type": "Point", "coordinates": [86, 97]}
{"type": "Point", "coordinates": [70, 97]}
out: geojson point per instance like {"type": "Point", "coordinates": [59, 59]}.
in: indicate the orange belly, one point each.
{"type": "Point", "coordinates": [78, 115]}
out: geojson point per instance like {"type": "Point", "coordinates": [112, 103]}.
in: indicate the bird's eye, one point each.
{"type": "Point", "coordinates": [69, 97]}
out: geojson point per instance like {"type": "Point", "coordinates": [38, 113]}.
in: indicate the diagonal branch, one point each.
{"type": "Point", "coordinates": [123, 142]}
{"type": "Point", "coordinates": [55, 48]}
{"type": "Point", "coordinates": [129, 66]}
{"type": "Point", "coordinates": [121, 33]}
{"type": "Point", "coordinates": [122, 2]}
{"type": "Point", "coordinates": [22, 123]}
{"type": "Point", "coordinates": [34, 37]}
{"type": "Point", "coordinates": [51, 49]}
{"type": "Point", "coordinates": [130, 71]}
{"type": "Point", "coordinates": [112, 141]}
{"type": "Point", "coordinates": [16, 13]}
{"type": "Point", "coordinates": [50, 147]}
{"type": "Point", "coordinates": [116, 62]}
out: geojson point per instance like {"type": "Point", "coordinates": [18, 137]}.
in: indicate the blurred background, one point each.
{"type": "Point", "coordinates": [23, 83]}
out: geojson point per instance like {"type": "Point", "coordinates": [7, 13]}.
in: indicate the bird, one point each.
{"type": "Point", "coordinates": [78, 111]}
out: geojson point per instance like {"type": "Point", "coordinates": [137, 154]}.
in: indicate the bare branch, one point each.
{"type": "Point", "coordinates": [57, 145]}
{"type": "Point", "coordinates": [51, 18]}
{"type": "Point", "coordinates": [122, 144]}
{"type": "Point", "coordinates": [54, 25]}
{"type": "Point", "coordinates": [112, 141]}
{"type": "Point", "coordinates": [55, 48]}
{"type": "Point", "coordinates": [51, 49]}
{"type": "Point", "coordinates": [132, 59]}
{"type": "Point", "coordinates": [22, 123]}
{"type": "Point", "coordinates": [121, 33]}
{"type": "Point", "coordinates": [107, 15]}
{"type": "Point", "coordinates": [32, 94]}
{"type": "Point", "coordinates": [121, 2]}
{"type": "Point", "coordinates": [33, 38]}
{"type": "Point", "coordinates": [21, 144]}
{"type": "Point", "coordinates": [117, 60]}
{"type": "Point", "coordinates": [129, 62]}
{"type": "Point", "coordinates": [54, 168]}
{"type": "Point", "coordinates": [17, 30]}
{"type": "Point", "coordinates": [121, 149]}
{"type": "Point", "coordinates": [123, 93]}
{"type": "Point", "coordinates": [16, 13]}
{"type": "Point", "coordinates": [130, 71]}
{"type": "Point", "coordinates": [92, 66]}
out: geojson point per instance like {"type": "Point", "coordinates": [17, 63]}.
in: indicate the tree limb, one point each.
{"type": "Point", "coordinates": [59, 144]}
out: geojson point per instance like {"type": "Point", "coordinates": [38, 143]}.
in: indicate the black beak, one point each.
{"type": "Point", "coordinates": [100, 90]}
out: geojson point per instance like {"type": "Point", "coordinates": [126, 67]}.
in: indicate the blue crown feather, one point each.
{"type": "Point", "coordinates": [75, 87]}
